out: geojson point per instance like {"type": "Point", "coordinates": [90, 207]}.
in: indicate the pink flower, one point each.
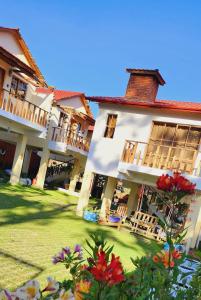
{"type": "Point", "coordinates": [52, 285]}
{"type": "Point", "coordinates": [58, 258]}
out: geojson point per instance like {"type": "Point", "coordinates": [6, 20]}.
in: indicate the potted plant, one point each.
{"type": "Point", "coordinates": [91, 215]}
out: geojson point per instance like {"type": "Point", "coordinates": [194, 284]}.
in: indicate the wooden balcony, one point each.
{"type": "Point", "coordinates": [23, 108]}
{"type": "Point", "coordinates": [172, 158]}
{"type": "Point", "coordinates": [70, 137]}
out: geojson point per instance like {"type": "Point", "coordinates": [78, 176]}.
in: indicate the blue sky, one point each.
{"type": "Point", "coordinates": [86, 45]}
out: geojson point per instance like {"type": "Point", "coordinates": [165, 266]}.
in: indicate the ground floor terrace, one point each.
{"type": "Point", "coordinates": [29, 160]}
{"type": "Point", "coordinates": [35, 224]}
{"type": "Point", "coordinates": [140, 207]}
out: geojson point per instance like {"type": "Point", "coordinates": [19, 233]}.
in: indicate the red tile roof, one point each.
{"type": "Point", "coordinates": [58, 94]}
{"type": "Point", "coordinates": [161, 104]}
{"type": "Point", "coordinates": [44, 90]}
{"type": "Point", "coordinates": [61, 95]}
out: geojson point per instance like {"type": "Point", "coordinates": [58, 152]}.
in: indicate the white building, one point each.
{"type": "Point", "coordinates": [38, 123]}
{"type": "Point", "coordinates": [138, 138]}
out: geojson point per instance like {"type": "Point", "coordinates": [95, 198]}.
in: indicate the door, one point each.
{"type": "Point", "coordinates": [2, 73]}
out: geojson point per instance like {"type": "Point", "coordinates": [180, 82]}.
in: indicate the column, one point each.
{"type": "Point", "coordinates": [18, 159]}
{"type": "Point", "coordinates": [132, 198]}
{"type": "Point", "coordinates": [26, 162]}
{"type": "Point", "coordinates": [108, 195]}
{"type": "Point", "coordinates": [74, 175]}
{"type": "Point", "coordinates": [87, 183]}
{"type": "Point", "coordinates": [193, 222]}
{"type": "Point", "coordinates": [40, 178]}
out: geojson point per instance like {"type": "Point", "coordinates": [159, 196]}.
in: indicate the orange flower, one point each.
{"type": "Point", "coordinates": [163, 257]}
{"type": "Point", "coordinates": [83, 267]}
{"type": "Point", "coordinates": [81, 287]}
{"type": "Point", "coordinates": [156, 259]}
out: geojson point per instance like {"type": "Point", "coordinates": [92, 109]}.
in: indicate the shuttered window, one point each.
{"type": "Point", "coordinates": [173, 146]}
{"type": "Point", "coordinates": [110, 126]}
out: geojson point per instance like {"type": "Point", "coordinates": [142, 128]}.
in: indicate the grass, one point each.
{"type": "Point", "coordinates": [36, 224]}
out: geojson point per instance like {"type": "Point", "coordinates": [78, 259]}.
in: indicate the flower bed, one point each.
{"type": "Point", "coordinates": [102, 276]}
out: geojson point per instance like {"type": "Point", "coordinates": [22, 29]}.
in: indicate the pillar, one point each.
{"type": "Point", "coordinates": [26, 162]}
{"type": "Point", "coordinates": [18, 159]}
{"type": "Point", "coordinates": [108, 195]}
{"type": "Point", "coordinates": [132, 198]}
{"type": "Point", "coordinates": [193, 222]}
{"type": "Point", "coordinates": [40, 178]}
{"type": "Point", "coordinates": [74, 175]}
{"type": "Point", "coordinates": [87, 183]}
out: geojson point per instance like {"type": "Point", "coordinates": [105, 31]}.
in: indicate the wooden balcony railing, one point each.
{"type": "Point", "coordinates": [162, 157]}
{"type": "Point", "coordinates": [23, 109]}
{"type": "Point", "coordinates": [71, 138]}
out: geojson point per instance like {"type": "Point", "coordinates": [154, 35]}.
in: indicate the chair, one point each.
{"type": "Point", "coordinates": [146, 225]}
{"type": "Point", "coordinates": [115, 218]}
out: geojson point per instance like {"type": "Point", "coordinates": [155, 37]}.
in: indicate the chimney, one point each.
{"type": "Point", "coordinates": [143, 84]}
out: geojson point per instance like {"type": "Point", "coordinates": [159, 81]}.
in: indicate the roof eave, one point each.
{"type": "Point", "coordinates": [154, 105]}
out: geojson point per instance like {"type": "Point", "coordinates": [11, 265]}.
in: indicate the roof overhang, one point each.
{"type": "Point", "coordinates": [180, 107]}
{"type": "Point", "coordinates": [81, 115]}
{"type": "Point", "coordinates": [13, 61]}
{"type": "Point", "coordinates": [16, 33]}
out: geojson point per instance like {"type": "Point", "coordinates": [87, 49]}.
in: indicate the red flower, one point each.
{"type": "Point", "coordinates": [176, 254]}
{"type": "Point", "coordinates": [164, 183]}
{"type": "Point", "coordinates": [176, 183]}
{"type": "Point", "coordinates": [110, 273]}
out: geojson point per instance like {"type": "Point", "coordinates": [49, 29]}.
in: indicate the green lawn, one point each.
{"type": "Point", "coordinates": [35, 224]}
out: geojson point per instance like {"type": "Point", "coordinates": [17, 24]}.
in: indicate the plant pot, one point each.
{"type": "Point", "coordinates": [114, 219]}
{"type": "Point", "coordinates": [90, 216]}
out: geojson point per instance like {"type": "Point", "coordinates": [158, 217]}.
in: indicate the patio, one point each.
{"type": "Point", "coordinates": [35, 224]}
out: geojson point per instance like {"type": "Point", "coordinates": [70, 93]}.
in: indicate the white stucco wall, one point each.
{"type": "Point", "coordinates": [133, 124]}
{"type": "Point", "coordinates": [44, 101]}
{"type": "Point", "coordinates": [74, 102]}
{"type": "Point", "coordinates": [8, 42]}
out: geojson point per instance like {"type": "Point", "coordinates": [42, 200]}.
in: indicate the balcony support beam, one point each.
{"type": "Point", "coordinates": [132, 198]}
{"type": "Point", "coordinates": [108, 195]}
{"type": "Point", "coordinates": [40, 178]}
{"type": "Point", "coordinates": [26, 162]}
{"type": "Point", "coordinates": [85, 192]}
{"type": "Point", "coordinates": [74, 175]}
{"type": "Point", "coordinates": [18, 159]}
{"type": "Point", "coordinates": [193, 221]}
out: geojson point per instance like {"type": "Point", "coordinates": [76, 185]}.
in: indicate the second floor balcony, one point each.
{"type": "Point", "coordinates": [137, 156]}
{"type": "Point", "coordinates": [64, 139]}
{"type": "Point", "coordinates": [22, 111]}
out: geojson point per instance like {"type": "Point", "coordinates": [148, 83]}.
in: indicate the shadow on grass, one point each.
{"type": "Point", "coordinates": [42, 215]}
{"type": "Point", "coordinates": [38, 269]}
{"type": "Point", "coordinates": [25, 204]}
{"type": "Point", "coordinates": [148, 246]}
{"type": "Point", "coordinates": [12, 198]}
{"type": "Point", "coordinates": [22, 189]}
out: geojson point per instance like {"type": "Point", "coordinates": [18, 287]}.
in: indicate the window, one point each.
{"type": "Point", "coordinates": [63, 120]}
{"type": "Point", "coordinates": [110, 126]}
{"type": "Point", "coordinates": [173, 146]}
{"type": "Point", "coordinates": [18, 88]}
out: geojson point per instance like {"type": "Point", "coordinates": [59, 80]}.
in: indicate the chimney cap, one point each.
{"type": "Point", "coordinates": [154, 72]}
